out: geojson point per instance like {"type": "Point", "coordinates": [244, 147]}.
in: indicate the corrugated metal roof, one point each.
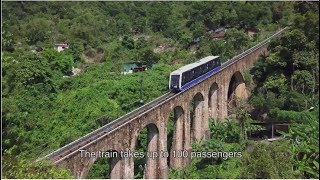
{"type": "Point", "coordinates": [217, 35]}
{"type": "Point", "coordinates": [62, 44]}
{"type": "Point", "coordinates": [129, 66]}
{"type": "Point", "coordinates": [219, 29]}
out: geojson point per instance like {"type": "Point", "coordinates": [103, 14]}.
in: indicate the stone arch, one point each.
{"type": "Point", "coordinates": [236, 90]}
{"type": "Point", "coordinates": [150, 164]}
{"type": "Point", "coordinates": [213, 105]}
{"type": "Point", "coordinates": [196, 117]}
{"type": "Point", "coordinates": [110, 159]}
{"type": "Point", "coordinates": [175, 141]}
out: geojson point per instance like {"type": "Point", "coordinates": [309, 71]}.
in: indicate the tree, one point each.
{"type": "Point", "coordinates": [14, 168]}
{"type": "Point", "coordinates": [58, 61]}
{"type": "Point", "coordinates": [7, 38]}
{"type": "Point", "coordinates": [148, 57]}
{"type": "Point", "coordinates": [218, 47]}
{"type": "Point", "coordinates": [237, 38]}
{"type": "Point", "coordinates": [197, 29]}
{"type": "Point", "coordinates": [140, 25]}
{"type": "Point", "coordinates": [27, 71]}
{"type": "Point", "coordinates": [268, 161]}
{"type": "Point", "coordinates": [276, 83]}
{"type": "Point", "coordinates": [247, 15]}
{"type": "Point", "coordinates": [123, 24]}
{"type": "Point", "coordinates": [231, 18]}
{"type": "Point", "coordinates": [128, 42]}
{"type": "Point", "coordinates": [76, 49]}
{"type": "Point", "coordinates": [303, 81]}
{"type": "Point", "coordinates": [158, 15]}
{"type": "Point", "coordinates": [304, 137]}
{"type": "Point", "coordinates": [38, 30]}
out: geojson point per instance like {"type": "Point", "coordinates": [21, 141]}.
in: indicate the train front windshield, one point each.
{"type": "Point", "coordinates": [175, 81]}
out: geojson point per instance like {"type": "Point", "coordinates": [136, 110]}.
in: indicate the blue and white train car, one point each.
{"type": "Point", "coordinates": [191, 74]}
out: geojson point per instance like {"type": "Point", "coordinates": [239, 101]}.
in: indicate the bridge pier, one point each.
{"type": "Point", "coordinates": [127, 171]}
{"type": "Point", "coordinates": [162, 167]}
{"type": "Point", "coordinates": [187, 138]}
{"type": "Point", "coordinates": [152, 163]}
{"type": "Point", "coordinates": [223, 102]}
{"type": "Point", "coordinates": [205, 118]}
{"type": "Point", "coordinates": [115, 167]}
{"type": "Point", "coordinates": [177, 143]}
{"type": "Point", "coordinates": [213, 101]}
{"type": "Point", "coordinates": [197, 118]}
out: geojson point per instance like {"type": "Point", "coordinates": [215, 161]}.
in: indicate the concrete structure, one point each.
{"type": "Point", "coordinates": [192, 109]}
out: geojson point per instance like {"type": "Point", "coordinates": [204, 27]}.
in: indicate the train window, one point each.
{"type": "Point", "coordinates": [175, 81]}
{"type": "Point", "coordinates": [183, 78]}
{"type": "Point", "coordinates": [192, 74]}
{"type": "Point", "coordinates": [186, 76]}
{"type": "Point", "coordinates": [195, 73]}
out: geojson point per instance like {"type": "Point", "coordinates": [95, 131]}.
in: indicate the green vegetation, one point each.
{"type": "Point", "coordinates": [21, 168]}
{"type": "Point", "coordinates": [45, 106]}
{"type": "Point", "coordinates": [285, 88]}
{"type": "Point", "coordinates": [282, 159]}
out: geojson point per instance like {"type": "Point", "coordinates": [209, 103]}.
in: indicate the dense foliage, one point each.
{"type": "Point", "coordinates": [258, 159]}
{"type": "Point", "coordinates": [46, 107]}
{"type": "Point", "coordinates": [286, 88]}
{"type": "Point", "coordinates": [294, 156]}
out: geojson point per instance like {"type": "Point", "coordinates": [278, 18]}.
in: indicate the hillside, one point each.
{"type": "Point", "coordinates": [43, 111]}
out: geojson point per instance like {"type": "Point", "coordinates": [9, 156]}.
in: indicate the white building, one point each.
{"type": "Point", "coordinates": [61, 47]}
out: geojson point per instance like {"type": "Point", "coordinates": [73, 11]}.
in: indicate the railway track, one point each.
{"type": "Point", "coordinates": [101, 132]}
{"type": "Point", "coordinates": [252, 49]}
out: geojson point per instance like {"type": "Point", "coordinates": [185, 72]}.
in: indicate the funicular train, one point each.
{"type": "Point", "coordinates": [191, 74]}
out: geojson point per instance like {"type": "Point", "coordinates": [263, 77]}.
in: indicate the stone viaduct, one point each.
{"type": "Point", "coordinates": [192, 110]}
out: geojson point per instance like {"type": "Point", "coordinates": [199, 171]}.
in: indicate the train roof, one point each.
{"type": "Point", "coordinates": [193, 65]}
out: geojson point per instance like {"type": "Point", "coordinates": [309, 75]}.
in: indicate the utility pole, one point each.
{"type": "Point", "coordinates": [141, 80]}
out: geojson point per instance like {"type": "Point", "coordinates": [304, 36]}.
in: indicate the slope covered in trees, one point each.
{"type": "Point", "coordinates": [43, 111]}
{"type": "Point", "coordinates": [285, 88]}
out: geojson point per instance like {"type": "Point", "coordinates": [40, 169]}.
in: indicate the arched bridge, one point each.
{"type": "Point", "coordinates": [191, 108]}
